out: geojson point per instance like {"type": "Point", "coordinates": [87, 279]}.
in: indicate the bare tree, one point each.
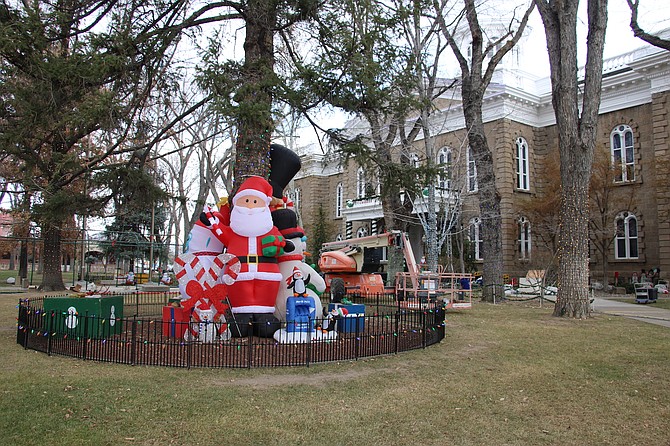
{"type": "Point", "coordinates": [197, 157]}
{"type": "Point", "coordinates": [421, 32]}
{"type": "Point", "coordinates": [476, 74]}
{"type": "Point", "coordinates": [638, 31]}
{"type": "Point", "coordinates": [446, 200]}
{"type": "Point", "coordinates": [607, 199]}
{"type": "Point", "coordinates": [576, 139]}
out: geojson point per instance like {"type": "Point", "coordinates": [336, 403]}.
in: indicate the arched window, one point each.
{"type": "Point", "coordinates": [472, 171]}
{"type": "Point", "coordinates": [522, 164]}
{"type": "Point", "coordinates": [623, 153]}
{"type": "Point", "coordinates": [338, 237]}
{"type": "Point", "coordinates": [524, 239]}
{"type": "Point", "coordinates": [339, 196]}
{"type": "Point", "coordinates": [626, 243]}
{"type": "Point", "coordinates": [362, 231]}
{"type": "Point", "coordinates": [474, 235]}
{"type": "Point", "coordinates": [360, 183]}
{"type": "Point", "coordinates": [444, 163]}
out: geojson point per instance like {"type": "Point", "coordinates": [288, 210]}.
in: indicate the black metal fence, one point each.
{"type": "Point", "coordinates": [143, 337]}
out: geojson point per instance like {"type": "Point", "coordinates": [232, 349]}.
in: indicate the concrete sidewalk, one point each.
{"type": "Point", "coordinates": [641, 312]}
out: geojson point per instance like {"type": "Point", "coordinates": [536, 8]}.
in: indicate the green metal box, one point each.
{"type": "Point", "coordinates": [93, 317]}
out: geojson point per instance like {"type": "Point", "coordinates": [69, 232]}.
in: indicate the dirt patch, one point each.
{"type": "Point", "coordinates": [325, 379]}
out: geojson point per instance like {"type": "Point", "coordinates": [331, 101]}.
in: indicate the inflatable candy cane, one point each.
{"type": "Point", "coordinates": [205, 288]}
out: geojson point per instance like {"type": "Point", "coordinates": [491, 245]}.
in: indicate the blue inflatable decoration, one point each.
{"type": "Point", "coordinates": [300, 314]}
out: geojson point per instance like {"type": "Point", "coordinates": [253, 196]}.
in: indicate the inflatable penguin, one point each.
{"type": "Point", "coordinates": [298, 283]}
{"type": "Point", "coordinates": [298, 305]}
{"type": "Point", "coordinates": [286, 222]}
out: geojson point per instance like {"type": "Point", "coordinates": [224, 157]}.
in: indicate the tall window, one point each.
{"type": "Point", "coordinates": [413, 159]}
{"type": "Point", "coordinates": [474, 234]}
{"type": "Point", "coordinates": [360, 183]}
{"type": "Point", "coordinates": [297, 199]}
{"type": "Point", "coordinates": [472, 171]}
{"type": "Point", "coordinates": [626, 245]}
{"type": "Point", "coordinates": [339, 196]}
{"type": "Point", "coordinates": [444, 163]}
{"type": "Point", "coordinates": [623, 153]}
{"type": "Point", "coordinates": [524, 239]}
{"type": "Point", "coordinates": [522, 164]}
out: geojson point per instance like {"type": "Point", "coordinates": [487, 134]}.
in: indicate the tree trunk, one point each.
{"type": "Point", "coordinates": [460, 243]}
{"type": "Point", "coordinates": [605, 270]}
{"type": "Point", "coordinates": [576, 140]}
{"type": "Point", "coordinates": [255, 126]}
{"type": "Point", "coordinates": [489, 197]}
{"type": "Point", "coordinates": [573, 263]}
{"type": "Point", "coordinates": [23, 259]}
{"type": "Point", "coordinates": [433, 254]}
{"type": "Point", "coordinates": [431, 237]}
{"type": "Point", "coordinates": [390, 206]}
{"type": "Point", "coordinates": [396, 211]}
{"type": "Point", "coordinates": [52, 279]}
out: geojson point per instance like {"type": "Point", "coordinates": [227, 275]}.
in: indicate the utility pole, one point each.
{"type": "Point", "coordinates": [151, 243]}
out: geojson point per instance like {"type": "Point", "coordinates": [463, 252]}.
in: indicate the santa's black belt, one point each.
{"type": "Point", "coordinates": [257, 259]}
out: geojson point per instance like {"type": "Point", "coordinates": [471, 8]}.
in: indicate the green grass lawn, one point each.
{"type": "Point", "coordinates": [507, 374]}
{"type": "Point", "coordinates": [36, 278]}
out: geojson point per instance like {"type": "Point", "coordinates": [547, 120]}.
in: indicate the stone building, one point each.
{"type": "Point", "coordinates": [633, 134]}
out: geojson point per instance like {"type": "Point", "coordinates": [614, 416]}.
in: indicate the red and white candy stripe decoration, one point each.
{"type": "Point", "coordinates": [224, 268]}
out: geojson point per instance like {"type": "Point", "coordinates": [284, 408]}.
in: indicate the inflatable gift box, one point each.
{"type": "Point", "coordinates": [353, 319]}
{"type": "Point", "coordinates": [175, 321]}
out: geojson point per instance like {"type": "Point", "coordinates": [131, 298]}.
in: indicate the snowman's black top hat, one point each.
{"type": "Point", "coordinates": [284, 164]}
{"type": "Point", "coordinates": [287, 222]}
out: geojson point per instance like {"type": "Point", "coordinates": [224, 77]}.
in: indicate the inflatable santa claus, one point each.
{"type": "Point", "coordinates": [252, 237]}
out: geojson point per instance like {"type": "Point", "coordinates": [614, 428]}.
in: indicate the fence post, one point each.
{"type": "Point", "coordinates": [50, 327]}
{"type": "Point", "coordinates": [308, 356]}
{"type": "Point", "coordinates": [189, 351]}
{"type": "Point", "coordinates": [250, 338]}
{"type": "Point", "coordinates": [85, 343]}
{"type": "Point", "coordinates": [133, 341]}
{"type": "Point", "coordinates": [397, 331]}
{"type": "Point", "coordinates": [357, 345]}
{"type": "Point", "coordinates": [23, 320]}
{"type": "Point", "coordinates": [440, 321]}
{"type": "Point", "coordinates": [423, 324]}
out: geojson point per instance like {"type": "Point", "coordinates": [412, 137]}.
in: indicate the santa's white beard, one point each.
{"type": "Point", "coordinates": [250, 222]}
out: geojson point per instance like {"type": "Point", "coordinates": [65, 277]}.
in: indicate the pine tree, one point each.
{"type": "Point", "coordinates": [320, 232]}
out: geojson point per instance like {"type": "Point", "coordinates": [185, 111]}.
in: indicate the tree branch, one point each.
{"type": "Point", "coordinates": [641, 33]}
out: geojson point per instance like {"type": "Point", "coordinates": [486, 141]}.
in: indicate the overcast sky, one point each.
{"type": "Point", "coordinates": [653, 16]}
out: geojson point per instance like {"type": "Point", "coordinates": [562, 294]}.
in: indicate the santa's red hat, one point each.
{"type": "Point", "coordinates": [255, 186]}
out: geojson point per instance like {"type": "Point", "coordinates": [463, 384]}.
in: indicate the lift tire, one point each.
{"type": "Point", "coordinates": [337, 290]}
